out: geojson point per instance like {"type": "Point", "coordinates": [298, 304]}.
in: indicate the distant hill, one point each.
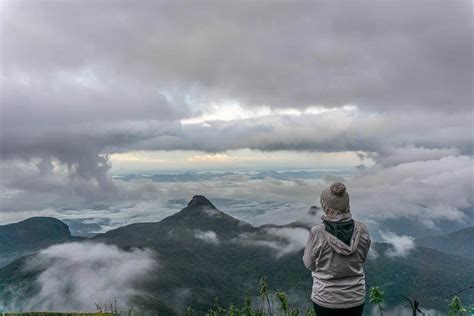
{"type": "Point", "coordinates": [459, 243]}
{"type": "Point", "coordinates": [205, 253]}
{"type": "Point", "coordinates": [31, 235]}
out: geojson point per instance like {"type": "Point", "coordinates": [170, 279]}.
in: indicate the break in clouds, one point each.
{"type": "Point", "coordinates": [390, 82]}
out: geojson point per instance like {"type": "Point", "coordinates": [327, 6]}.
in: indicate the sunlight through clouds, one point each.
{"type": "Point", "coordinates": [235, 111]}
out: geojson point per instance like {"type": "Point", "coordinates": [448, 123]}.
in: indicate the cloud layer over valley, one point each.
{"type": "Point", "coordinates": [383, 89]}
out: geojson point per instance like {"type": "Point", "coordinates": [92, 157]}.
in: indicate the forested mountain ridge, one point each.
{"type": "Point", "coordinates": [204, 253]}
{"type": "Point", "coordinates": [30, 235]}
{"type": "Point", "coordinates": [457, 243]}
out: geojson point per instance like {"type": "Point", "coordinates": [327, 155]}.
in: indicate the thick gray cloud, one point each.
{"type": "Point", "coordinates": [81, 81]}
{"type": "Point", "coordinates": [107, 74]}
{"type": "Point", "coordinates": [380, 54]}
{"type": "Point", "coordinates": [332, 131]}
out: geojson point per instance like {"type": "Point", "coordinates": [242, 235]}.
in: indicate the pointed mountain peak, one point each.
{"type": "Point", "coordinates": [200, 201]}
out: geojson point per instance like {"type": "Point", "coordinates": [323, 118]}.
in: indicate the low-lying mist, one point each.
{"type": "Point", "coordinates": [76, 276]}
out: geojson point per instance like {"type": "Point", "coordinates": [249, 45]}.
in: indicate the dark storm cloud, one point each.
{"type": "Point", "coordinates": [117, 73]}
{"type": "Point", "coordinates": [380, 55]}
{"type": "Point", "coordinates": [83, 80]}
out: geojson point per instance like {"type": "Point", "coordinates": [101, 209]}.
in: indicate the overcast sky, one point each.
{"type": "Point", "coordinates": [174, 85]}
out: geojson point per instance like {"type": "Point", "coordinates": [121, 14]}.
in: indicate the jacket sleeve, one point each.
{"type": "Point", "coordinates": [365, 243]}
{"type": "Point", "coordinates": [309, 252]}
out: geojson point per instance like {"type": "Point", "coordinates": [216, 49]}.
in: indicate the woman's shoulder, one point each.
{"type": "Point", "coordinates": [361, 226]}
{"type": "Point", "coordinates": [364, 231]}
{"type": "Point", "coordinates": [317, 229]}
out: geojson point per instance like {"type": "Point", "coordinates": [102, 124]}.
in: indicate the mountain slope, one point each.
{"type": "Point", "coordinates": [204, 253]}
{"type": "Point", "coordinates": [31, 235]}
{"type": "Point", "coordinates": [422, 274]}
{"type": "Point", "coordinates": [458, 243]}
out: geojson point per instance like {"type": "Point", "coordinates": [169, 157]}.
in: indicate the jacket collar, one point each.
{"type": "Point", "coordinates": [337, 217]}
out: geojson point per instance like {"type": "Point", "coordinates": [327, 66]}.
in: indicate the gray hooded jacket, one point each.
{"type": "Point", "coordinates": [338, 277]}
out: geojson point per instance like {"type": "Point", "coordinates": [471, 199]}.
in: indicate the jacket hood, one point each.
{"type": "Point", "coordinates": [339, 246]}
{"type": "Point", "coordinates": [343, 230]}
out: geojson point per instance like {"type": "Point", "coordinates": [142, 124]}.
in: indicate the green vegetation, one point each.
{"type": "Point", "coordinates": [457, 309]}
{"type": "Point", "coordinates": [57, 314]}
{"type": "Point", "coordinates": [266, 306]}
{"type": "Point", "coordinates": [377, 297]}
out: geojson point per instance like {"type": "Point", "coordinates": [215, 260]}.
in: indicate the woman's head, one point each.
{"type": "Point", "coordinates": [335, 200]}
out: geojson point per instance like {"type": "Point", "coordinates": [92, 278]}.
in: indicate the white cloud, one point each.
{"type": "Point", "coordinates": [401, 245]}
{"type": "Point", "coordinates": [428, 192]}
{"type": "Point", "coordinates": [283, 240]}
{"type": "Point", "coordinates": [295, 238]}
{"type": "Point", "coordinates": [207, 236]}
{"type": "Point", "coordinates": [425, 191]}
{"type": "Point", "coordinates": [75, 276]}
